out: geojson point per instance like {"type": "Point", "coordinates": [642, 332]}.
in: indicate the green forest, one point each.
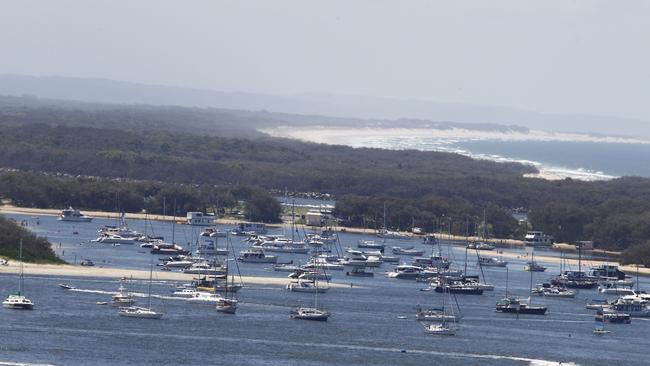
{"type": "Point", "coordinates": [35, 249]}
{"type": "Point", "coordinates": [148, 153]}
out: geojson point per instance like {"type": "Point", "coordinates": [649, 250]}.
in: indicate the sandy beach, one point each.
{"type": "Point", "coordinates": [67, 270]}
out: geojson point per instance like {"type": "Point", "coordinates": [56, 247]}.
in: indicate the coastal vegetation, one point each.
{"type": "Point", "coordinates": [121, 195]}
{"type": "Point", "coordinates": [149, 154]}
{"type": "Point", "coordinates": [35, 249]}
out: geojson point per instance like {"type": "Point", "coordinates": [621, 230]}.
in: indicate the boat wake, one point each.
{"type": "Point", "coordinates": [331, 346]}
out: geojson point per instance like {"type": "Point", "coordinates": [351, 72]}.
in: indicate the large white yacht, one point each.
{"type": "Point", "coordinates": [538, 239]}
{"type": "Point", "coordinates": [74, 215]}
{"type": "Point", "coordinates": [200, 219]}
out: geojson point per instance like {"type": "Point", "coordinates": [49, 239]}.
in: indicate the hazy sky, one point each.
{"type": "Point", "coordinates": [561, 56]}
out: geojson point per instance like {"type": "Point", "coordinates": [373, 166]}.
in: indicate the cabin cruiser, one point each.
{"type": "Point", "coordinates": [407, 251]}
{"type": "Point", "coordinates": [354, 258]}
{"type": "Point", "coordinates": [608, 271]}
{"type": "Point", "coordinates": [114, 239]}
{"type": "Point", "coordinates": [205, 268]}
{"type": "Point", "coordinates": [491, 262]}
{"type": "Point", "coordinates": [185, 292]}
{"type": "Point", "coordinates": [405, 272]}
{"type": "Point", "coordinates": [615, 289]}
{"type": "Point", "coordinates": [256, 256]}
{"type": "Point", "coordinates": [73, 215]}
{"type": "Point", "coordinates": [519, 306]}
{"type": "Point", "coordinates": [122, 298]}
{"type": "Point", "coordinates": [168, 248]}
{"type": "Point", "coordinates": [538, 239]}
{"type": "Point", "coordinates": [320, 262]}
{"type": "Point", "coordinates": [310, 314]}
{"type": "Point", "coordinates": [280, 244]}
{"type": "Point", "coordinates": [371, 244]}
{"type": "Point", "coordinates": [612, 316]}
{"type": "Point", "coordinates": [200, 219]}
{"type": "Point", "coordinates": [634, 305]}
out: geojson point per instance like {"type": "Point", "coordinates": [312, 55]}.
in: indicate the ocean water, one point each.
{"type": "Point", "coordinates": [68, 328]}
{"type": "Point", "coordinates": [604, 158]}
{"type": "Point", "coordinates": [586, 160]}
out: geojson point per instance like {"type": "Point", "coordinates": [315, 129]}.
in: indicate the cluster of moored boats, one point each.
{"type": "Point", "coordinates": [325, 255]}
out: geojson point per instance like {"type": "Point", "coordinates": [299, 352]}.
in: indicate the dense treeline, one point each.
{"type": "Point", "coordinates": [416, 186]}
{"type": "Point", "coordinates": [47, 191]}
{"type": "Point", "coordinates": [35, 249]}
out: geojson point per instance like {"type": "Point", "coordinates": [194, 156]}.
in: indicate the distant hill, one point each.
{"type": "Point", "coordinates": [348, 108]}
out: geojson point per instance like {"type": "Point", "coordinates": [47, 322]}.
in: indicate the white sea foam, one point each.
{"type": "Point", "coordinates": [445, 141]}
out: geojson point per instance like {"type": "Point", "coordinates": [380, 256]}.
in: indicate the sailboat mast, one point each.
{"type": "Point", "coordinates": [530, 290]}
{"type": "Point", "coordinates": [20, 280]}
{"type": "Point", "coordinates": [150, 280]}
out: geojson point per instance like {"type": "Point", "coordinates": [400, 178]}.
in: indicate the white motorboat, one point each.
{"type": "Point", "coordinates": [122, 298]}
{"type": "Point", "coordinates": [256, 256]}
{"type": "Point", "coordinates": [73, 215]}
{"type": "Point", "coordinates": [404, 271]}
{"type": "Point", "coordinates": [286, 267]}
{"type": "Point", "coordinates": [18, 300]}
{"type": "Point", "coordinates": [491, 262]}
{"type": "Point", "coordinates": [114, 239]}
{"type": "Point", "coordinates": [185, 292]}
{"type": "Point", "coordinates": [205, 268]}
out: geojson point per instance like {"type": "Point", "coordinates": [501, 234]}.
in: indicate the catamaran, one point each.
{"type": "Point", "coordinates": [18, 300]}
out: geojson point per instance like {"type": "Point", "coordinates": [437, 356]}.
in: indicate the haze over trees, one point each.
{"type": "Point", "coordinates": [155, 151]}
